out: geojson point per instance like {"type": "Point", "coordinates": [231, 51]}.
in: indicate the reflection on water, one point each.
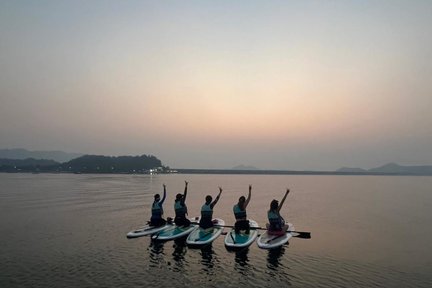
{"type": "Point", "coordinates": [241, 257]}
{"type": "Point", "coordinates": [275, 266]}
{"type": "Point", "coordinates": [274, 256]}
{"type": "Point", "coordinates": [156, 247]}
{"type": "Point", "coordinates": [180, 248]}
{"type": "Point", "coordinates": [207, 258]}
{"type": "Point", "coordinates": [156, 250]}
{"type": "Point", "coordinates": [241, 261]}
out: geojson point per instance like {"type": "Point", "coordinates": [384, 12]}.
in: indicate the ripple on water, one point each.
{"type": "Point", "coordinates": [70, 231]}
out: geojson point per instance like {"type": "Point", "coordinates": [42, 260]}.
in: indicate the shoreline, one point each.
{"type": "Point", "coordinates": [231, 172]}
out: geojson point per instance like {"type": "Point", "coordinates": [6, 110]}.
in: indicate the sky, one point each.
{"type": "Point", "coordinates": [291, 85]}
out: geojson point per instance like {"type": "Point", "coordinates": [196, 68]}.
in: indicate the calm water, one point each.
{"type": "Point", "coordinates": [70, 231]}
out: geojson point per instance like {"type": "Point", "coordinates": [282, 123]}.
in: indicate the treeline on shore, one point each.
{"type": "Point", "coordinates": [87, 164]}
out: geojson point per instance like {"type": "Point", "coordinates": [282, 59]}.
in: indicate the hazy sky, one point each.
{"type": "Point", "coordinates": [213, 84]}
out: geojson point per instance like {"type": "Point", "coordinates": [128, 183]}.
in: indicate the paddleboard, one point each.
{"type": "Point", "coordinates": [173, 231]}
{"type": "Point", "coordinates": [200, 236]}
{"type": "Point", "coordinates": [240, 240]}
{"type": "Point", "coordinates": [146, 230]}
{"type": "Point", "coordinates": [269, 241]}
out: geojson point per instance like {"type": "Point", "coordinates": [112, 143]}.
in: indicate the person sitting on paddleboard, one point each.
{"type": "Point", "coordinates": [207, 211]}
{"type": "Point", "coordinates": [157, 210]}
{"type": "Point", "coordinates": [240, 213]}
{"type": "Point", "coordinates": [180, 209]}
{"type": "Point", "coordinates": [277, 223]}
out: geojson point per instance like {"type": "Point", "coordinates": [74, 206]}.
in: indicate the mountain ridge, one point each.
{"type": "Point", "coordinates": [391, 168]}
{"type": "Point", "coordinates": [22, 154]}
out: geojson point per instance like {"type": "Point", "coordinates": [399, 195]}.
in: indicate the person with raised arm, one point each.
{"type": "Point", "coordinates": [207, 211]}
{"type": "Point", "coordinates": [180, 208]}
{"type": "Point", "coordinates": [157, 210]}
{"type": "Point", "coordinates": [277, 223]}
{"type": "Point", "coordinates": [240, 213]}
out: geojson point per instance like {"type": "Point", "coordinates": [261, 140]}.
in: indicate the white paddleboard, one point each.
{"type": "Point", "coordinates": [269, 241]}
{"type": "Point", "coordinates": [241, 240]}
{"type": "Point", "coordinates": [201, 236]}
{"type": "Point", "coordinates": [173, 232]}
{"type": "Point", "coordinates": [146, 230]}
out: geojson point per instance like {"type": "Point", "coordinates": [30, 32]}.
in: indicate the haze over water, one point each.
{"type": "Point", "coordinates": [70, 230]}
{"type": "Point", "coordinates": [290, 85]}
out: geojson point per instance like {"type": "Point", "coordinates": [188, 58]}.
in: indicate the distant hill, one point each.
{"type": "Point", "coordinates": [87, 164]}
{"type": "Point", "coordinates": [108, 164]}
{"type": "Point", "coordinates": [244, 167]}
{"type": "Point", "coordinates": [398, 169]}
{"type": "Point", "coordinates": [58, 156]}
{"type": "Point", "coordinates": [391, 168]}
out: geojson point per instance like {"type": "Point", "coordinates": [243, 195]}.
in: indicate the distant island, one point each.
{"type": "Point", "coordinates": [12, 161]}
{"type": "Point", "coordinates": [391, 168]}
{"type": "Point", "coordinates": [147, 164]}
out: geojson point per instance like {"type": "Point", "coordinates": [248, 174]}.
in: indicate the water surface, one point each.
{"type": "Point", "coordinates": [61, 230]}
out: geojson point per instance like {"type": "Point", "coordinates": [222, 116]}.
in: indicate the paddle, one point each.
{"type": "Point", "coordinates": [155, 237]}
{"type": "Point", "coordinates": [232, 238]}
{"type": "Point", "coordinates": [303, 235]}
{"type": "Point", "coordinates": [274, 238]}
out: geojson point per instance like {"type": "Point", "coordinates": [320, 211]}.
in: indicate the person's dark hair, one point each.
{"type": "Point", "coordinates": [179, 196]}
{"type": "Point", "coordinates": [156, 196]}
{"type": "Point", "coordinates": [242, 199]}
{"type": "Point", "coordinates": [208, 199]}
{"type": "Point", "coordinates": [274, 205]}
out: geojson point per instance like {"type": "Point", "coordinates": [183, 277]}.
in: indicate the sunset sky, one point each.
{"type": "Point", "coordinates": [293, 85]}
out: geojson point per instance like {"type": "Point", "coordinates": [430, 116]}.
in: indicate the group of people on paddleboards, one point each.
{"type": "Point", "coordinates": [275, 226]}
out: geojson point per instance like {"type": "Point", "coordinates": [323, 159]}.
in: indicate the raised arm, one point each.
{"type": "Point", "coordinates": [185, 191]}
{"type": "Point", "coordinates": [283, 199]}
{"type": "Point", "coordinates": [217, 198]}
{"type": "Point", "coordinates": [164, 195]}
{"type": "Point", "coordinates": [249, 197]}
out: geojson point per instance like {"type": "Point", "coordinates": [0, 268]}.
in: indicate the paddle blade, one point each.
{"type": "Point", "coordinates": [303, 235]}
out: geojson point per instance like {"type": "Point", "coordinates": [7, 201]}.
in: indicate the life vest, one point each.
{"type": "Point", "coordinates": [238, 213]}
{"type": "Point", "coordinates": [180, 209]}
{"type": "Point", "coordinates": [157, 210]}
{"type": "Point", "coordinates": [276, 221]}
{"type": "Point", "coordinates": [206, 212]}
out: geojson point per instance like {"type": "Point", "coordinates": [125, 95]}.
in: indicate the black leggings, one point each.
{"type": "Point", "coordinates": [205, 223]}
{"type": "Point", "coordinates": [242, 225]}
{"type": "Point", "coordinates": [182, 221]}
{"type": "Point", "coordinates": [157, 222]}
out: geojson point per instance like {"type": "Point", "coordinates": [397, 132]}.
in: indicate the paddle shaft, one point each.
{"type": "Point", "coordinates": [301, 233]}
{"type": "Point", "coordinates": [304, 235]}
{"type": "Point", "coordinates": [262, 228]}
{"type": "Point", "coordinates": [274, 238]}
